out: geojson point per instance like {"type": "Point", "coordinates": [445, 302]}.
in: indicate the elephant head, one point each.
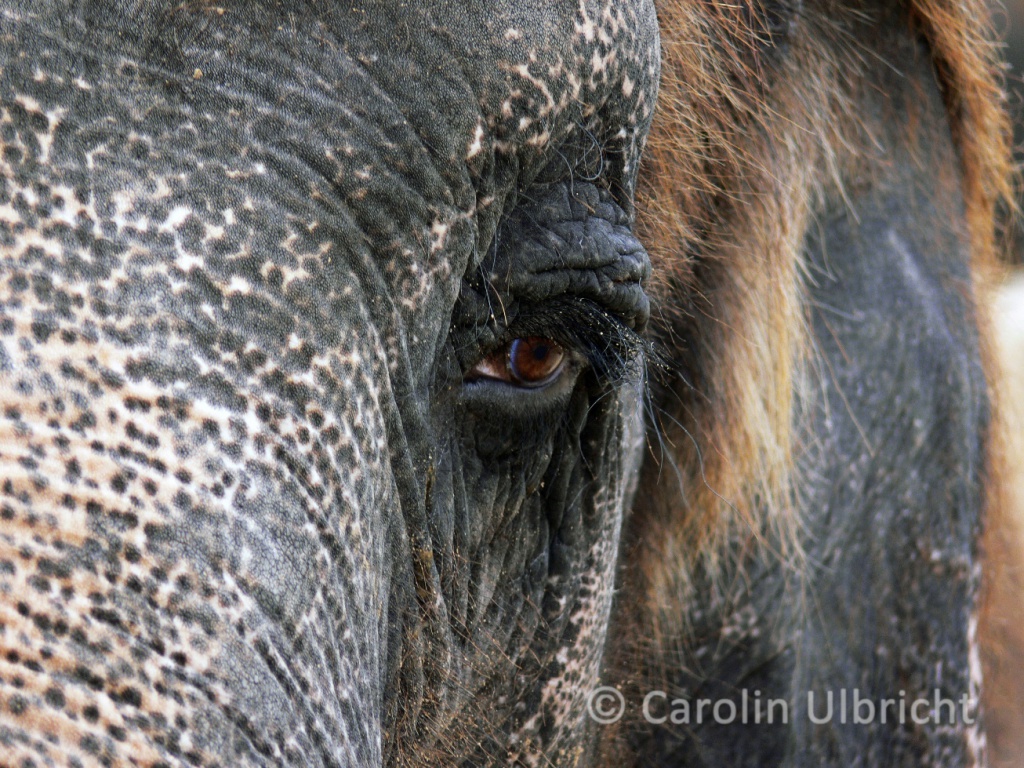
{"type": "Point", "coordinates": [324, 403]}
{"type": "Point", "coordinates": [321, 374]}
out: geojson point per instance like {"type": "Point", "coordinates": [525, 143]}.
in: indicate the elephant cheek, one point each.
{"type": "Point", "coordinates": [226, 575]}
{"type": "Point", "coordinates": [581, 605]}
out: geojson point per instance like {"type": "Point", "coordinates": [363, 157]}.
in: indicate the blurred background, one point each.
{"type": "Point", "coordinates": [1009, 19]}
{"type": "Point", "coordinates": [1006, 737]}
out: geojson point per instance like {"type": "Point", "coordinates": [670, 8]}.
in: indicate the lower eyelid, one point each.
{"type": "Point", "coordinates": [496, 399]}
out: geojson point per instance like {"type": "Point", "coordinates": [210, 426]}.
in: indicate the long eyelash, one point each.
{"type": "Point", "coordinates": [612, 349]}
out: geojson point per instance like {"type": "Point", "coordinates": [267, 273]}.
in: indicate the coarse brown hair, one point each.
{"type": "Point", "coordinates": [756, 123]}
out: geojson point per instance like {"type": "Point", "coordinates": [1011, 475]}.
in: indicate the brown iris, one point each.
{"type": "Point", "coordinates": [530, 361]}
{"type": "Point", "coordinates": [533, 360]}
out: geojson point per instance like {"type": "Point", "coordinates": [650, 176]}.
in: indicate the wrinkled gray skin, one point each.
{"type": "Point", "coordinates": [253, 512]}
{"type": "Point", "coordinates": [265, 498]}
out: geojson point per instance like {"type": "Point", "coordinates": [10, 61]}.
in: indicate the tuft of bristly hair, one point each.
{"type": "Point", "coordinates": [755, 126]}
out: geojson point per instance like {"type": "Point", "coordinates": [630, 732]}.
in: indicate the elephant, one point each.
{"type": "Point", "coordinates": [421, 383]}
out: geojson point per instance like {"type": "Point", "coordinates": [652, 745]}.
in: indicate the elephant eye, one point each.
{"type": "Point", "coordinates": [528, 362]}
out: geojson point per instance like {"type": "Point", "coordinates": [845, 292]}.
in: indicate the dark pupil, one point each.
{"type": "Point", "coordinates": [533, 360]}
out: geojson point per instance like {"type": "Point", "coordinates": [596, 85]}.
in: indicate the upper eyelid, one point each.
{"type": "Point", "coordinates": [539, 320]}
